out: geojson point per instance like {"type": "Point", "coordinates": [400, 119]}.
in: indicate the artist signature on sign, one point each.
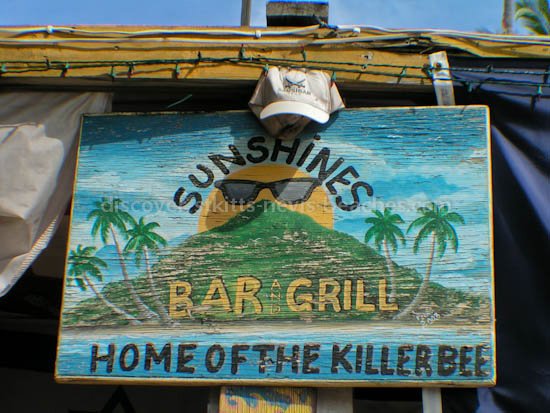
{"type": "Point", "coordinates": [426, 318]}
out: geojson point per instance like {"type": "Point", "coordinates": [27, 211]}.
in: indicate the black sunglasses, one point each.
{"type": "Point", "coordinates": [287, 191]}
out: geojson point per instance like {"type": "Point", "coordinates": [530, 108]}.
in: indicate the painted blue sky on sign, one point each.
{"type": "Point", "coordinates": [456, 177]}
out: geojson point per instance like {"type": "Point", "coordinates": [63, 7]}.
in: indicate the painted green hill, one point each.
{"type": "Point", "coordinates": [276, 246]}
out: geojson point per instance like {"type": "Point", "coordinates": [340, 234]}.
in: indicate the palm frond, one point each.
{"type": "Point", "coordinates": [117, 222]}
{"type": "Point", "coordinates": [378, 239]}
{"type": "Point", "coordinates": [378, 213]}
{"type": "Point", "coordinates": [452, 236]}
{"type": "Point", "coordinates": [534, 15]}
{"type": "Point", "coordinates": [131, 220]}
{"type": "Point", "coordinates": [396, 231]}
{"type": "Point", "coordinates": [126, 217]}
{"type": "Point", "coordinates": [151, 225]}
{"type": "Point", "coordinates": [83, 261]}
{"type": "Point", "coordinates": [424, 210]}
{"type": "Point", "coordinates": [149, 242]}
{"type": "Point", "coordinates": [370, 233]}
{"type": "Point", "coordinates": [455, 218]}
{"type": "Point", "coordinates": [141, 236]}
{"type": "Point", "coordinates": [396, 219]}
{"type": "Point", "coordinates": [131, 245]}
{"type": "Point", "coordinates": [390, 238]}
{"type": "Point", "coordinates": [98, 225]}
{"type": "Point", "coordinates": [104, 233]}
{"type": "Point", "coordinates": [419, 222]}
{"type": "Point", "coordinates": [137, 256]}
{"type": "Point", "coordinates": [81, 284]}
{"type": "Point", "coordinates": [424, 232]}
{"type": "Point", "coordinates": [98, 262]}
{"type": "Point", "coordinates": [158, 239]}
{"type": "Point", "coordinates": [87, 251]}
{"type": "Point", "coordinates": [94, 213]}
{"type": "Point", "coordinates": [441, 242]}
{"type": "Point", "coordinates": [372, 220]}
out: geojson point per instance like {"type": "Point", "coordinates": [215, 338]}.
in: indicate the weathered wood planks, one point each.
{"type": "Point", "coordinates": [204, 251]}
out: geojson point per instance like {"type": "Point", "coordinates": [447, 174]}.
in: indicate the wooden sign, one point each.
{"type": "Point", "coordinates": [202, 250]}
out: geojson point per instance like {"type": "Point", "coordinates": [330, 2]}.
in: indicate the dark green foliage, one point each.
{"type": "Point", "coordinates": [82, 262]}
{"type": "Point", "coordinates": [384, 227]}
{"type": "Point", "coordinates": [108, 216]}
{"type": "Point", "coordinates": [141, 238]}
{"type": "Point", "coordinates": [534, 15]}
{"type": "Point", "coordinates": [436, 220]}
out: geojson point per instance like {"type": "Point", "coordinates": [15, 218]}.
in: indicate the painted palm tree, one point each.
{"type": "Point", "coordinates": [142, 240]}
{"type": "Point", "coordinates": [534, 15]}
{"type": "Point", "coordinates": [384, 231]}
{"type": "Point", "coordinates": [83, 266]}
{"type": "Point", "coordinates": [435, 223]}
{"type": "Point", "coordinates": [108, 219]}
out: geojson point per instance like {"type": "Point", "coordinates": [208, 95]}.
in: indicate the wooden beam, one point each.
{"type": "Point", "coordinates": [124, 63]}
{"type": "Point", "coordinates": [122, 52]}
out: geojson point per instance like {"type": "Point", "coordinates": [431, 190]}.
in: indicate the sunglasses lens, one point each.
{"type": "Point", "coordinates": [238, 192]}
{"type": "Point", "coordinates": [294, 191]}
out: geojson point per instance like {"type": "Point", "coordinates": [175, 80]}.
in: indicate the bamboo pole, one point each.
{"type": "Point", "coordinates": [431, 400]}
{"type": "Point", "coordinates": [245, 12]}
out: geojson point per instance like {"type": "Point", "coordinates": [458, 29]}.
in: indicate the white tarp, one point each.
{"type": "Point", "coordinates": [38, 132]}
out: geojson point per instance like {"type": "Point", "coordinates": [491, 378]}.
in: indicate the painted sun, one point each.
{"type": "Point", "coordinates": [281, 184]}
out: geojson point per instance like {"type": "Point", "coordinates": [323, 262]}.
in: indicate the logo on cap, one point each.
{"type": "Point", "coordinates": [296, 85]}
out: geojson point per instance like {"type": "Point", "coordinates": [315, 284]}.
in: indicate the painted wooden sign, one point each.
{"type": "Point", "coordinates": [202, 250]}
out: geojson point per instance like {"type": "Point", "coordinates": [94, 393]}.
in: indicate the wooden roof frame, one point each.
{"type": "Point", "coordinates": [97, 56]}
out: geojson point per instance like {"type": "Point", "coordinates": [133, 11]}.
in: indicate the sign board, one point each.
{"type": "Point", "coordinates": [360, 253]}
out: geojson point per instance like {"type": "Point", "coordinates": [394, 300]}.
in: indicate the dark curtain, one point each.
{"type": "Point", "coordinates": [520, 128]}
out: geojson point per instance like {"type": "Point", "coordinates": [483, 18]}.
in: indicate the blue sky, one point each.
{"type": "Point", "coordinates": [468, 15]}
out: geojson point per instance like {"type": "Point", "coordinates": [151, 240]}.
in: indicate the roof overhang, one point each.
{"type": "Point", "coordinates": [99, 55]}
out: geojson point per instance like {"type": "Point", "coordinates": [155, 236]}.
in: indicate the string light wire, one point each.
{"type": "Point", "coordinates": [20, 67]}
{"type": "Point", "coordinates": [306, 36]}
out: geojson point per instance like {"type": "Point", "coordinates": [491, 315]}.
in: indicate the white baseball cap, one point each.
{"type": "Point", "coordinates": [286, 99]}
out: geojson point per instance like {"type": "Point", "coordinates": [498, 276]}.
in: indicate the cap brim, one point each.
{"type": "Point", "coordinates": [294, 108]}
